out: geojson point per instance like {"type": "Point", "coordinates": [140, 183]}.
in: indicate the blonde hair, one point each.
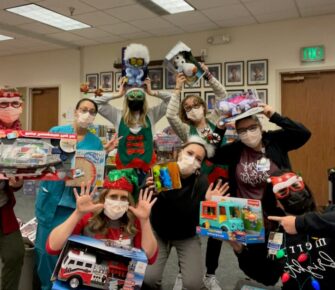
{"type": "Point", "coordinates": [129, 118]}
{"type": "Point", "coordinates": [98, 222]}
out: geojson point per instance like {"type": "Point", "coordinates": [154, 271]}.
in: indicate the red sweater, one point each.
{"type": "Point", "coordinates": [112, 234]}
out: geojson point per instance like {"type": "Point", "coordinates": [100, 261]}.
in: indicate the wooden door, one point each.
{"type": "Point", "coordinates": [310, 99]}
{"type": "Point", "coordinates": [44, 108]}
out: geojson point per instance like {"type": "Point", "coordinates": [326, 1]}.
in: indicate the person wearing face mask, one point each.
{"type": "Point", "coordinates": [11, 243]}
{"type": "Point", "coordinates": [55, 201]}
{"type": "Point", "coordinates": [114, 216]}
{"type": "Point", "coordinates": [188, 118]}
{"type": "Point", "coordinates": [175, 215]}
{"type": "Point", "coordinates": [301, 251]}
{"type": "Point", "coordinates": [135, 123]}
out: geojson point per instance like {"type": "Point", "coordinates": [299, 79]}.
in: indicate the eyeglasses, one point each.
{"type": "Point", "coordinates": [282, 189]}
{"type": "Point", "coordinates": [136, 61]}
{"type": "Point", "coordinates": [137, 95]}
{"type": "Point", "coordinates": [85, 110]}
{"type": "Point", "coordinates": [14, 104]}
{"type": "Point", "coordinates": [189, 108]}
{"type": "Point", "coordinates": [243, 131]}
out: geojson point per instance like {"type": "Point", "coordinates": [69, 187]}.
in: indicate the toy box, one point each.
{"type": "Point", "coordinates": [36, 155]}
{"type": "Point", "coordinates": [87, 263]}
{"type": "Point", "coordinates": [89, 167]}
{"type": "Point", "coordinates": [166, 176]}
{"type": "Point", "coordinates": [231, 218]}
{"type": "Point", "coordinates": [180, 60]}
{"type": "Point", "coordinates": [166, 147]}
{"type": "Point", "coordinates": [28, 231]}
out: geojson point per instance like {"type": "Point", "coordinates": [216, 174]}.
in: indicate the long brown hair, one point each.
{"type": "Point", "coordinates": [129, 118]}
{"type": "Point", "coordinates": [182, 112]}
{"type": "Point", "coordinates": [98, 222]}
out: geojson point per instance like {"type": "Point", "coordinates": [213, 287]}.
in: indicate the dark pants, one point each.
{"type": "Point", "coordinates": [212, 255]}
{"type": "Point", "coordinates": [12, 255]}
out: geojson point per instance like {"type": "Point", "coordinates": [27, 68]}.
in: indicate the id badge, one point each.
{"type": "Point", "coordinates": [263, 164]}
{"type": "Point", "coordinates": [275, 242]}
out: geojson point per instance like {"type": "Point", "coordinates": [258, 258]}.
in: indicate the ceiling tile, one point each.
{"type": "Point", "coordinates": [186, 18]}
{"type": "Point", "coordinates": [136, 35]}
{"type": "Point", "coordinates": [318, 10]}
{"type": "Point", "coordinates": [201, 4]}
{"type": "Point", "coordinates": [236, 22]}
{"type": "Point", "coordinates": [173, 30]}
{"type": "Point", "coordinates": [130, 13]}
{"type": "Point", "coordinates": [12, 19]}
{"type": "Point", "coordinates": [309, 3]}
{"type": "Point", "coordinates": [227, 12]}
{"type": "Point", "coordinates": [91, 33]}
{"type": "Point", "coordinates": [97, 18]}
{"type": "Point", "coordinates": [62, 6]}
{"type": "Point", "coordinates": [200, 27]}
{"type": "Point", "coordinates": [65, 36]}
{"type": "Point", "coordinates": [11, 3]}
{"type": "Point", "coordinates": [277, 16]}
{"type": "Point", "coordinates": [39, 28]}
{"type": "Point", "coordinates": [120, 28]}
{"type": "Point", "coordinates": [156, 22]}
{"type": "Point", "coordinates": [111, 39]}
{"type": "Point", "coordinates": [85, 42]}
{"type": "Point", "coordinates": [105, 4]}
{"type": "Point", "coordinates": [271, 6]}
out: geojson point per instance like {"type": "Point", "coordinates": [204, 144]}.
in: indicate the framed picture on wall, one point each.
{"type": "Point", "coordinates": [210, 100]}
{"type": "Point", "coordinates": [196, 85]}
{"type": "Point", "coordinates": [234, 73]}
{"type": "Point", "coordinates": [93, 82]}
{"type": "Point", "coordinates": [257, 72]}
{"type": "Point", "coordinates": [156, 76]}
{"type": "Point", "coordinates": [197, 93]}
{"type": "Point", "coordinates": [233, 92]}
{"type": "Point", "coordinates": [215, 70]}
{"type": "Point", "coordinates": [106, 81]}
{"type": "Point", "coordinates": [263, 95]}
{"type": "Point", "coordinates": [118, 76]}
{"type": "Point", "coordinates": [170, 80]}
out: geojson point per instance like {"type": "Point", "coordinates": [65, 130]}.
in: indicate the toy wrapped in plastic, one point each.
{"type": "Point", "coordinates": [135, 64]}
{"type": "Point", "coordinates": [166, 176]}
{"type": "Point", "coordinates": [181, 60]}
{"type": "Point", "coordinates": [238, 106]}
{"type": "Point", "coordinates": [166, 147]}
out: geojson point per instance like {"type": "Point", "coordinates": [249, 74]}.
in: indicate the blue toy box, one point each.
{"type": "Point", "coordinates": [87, 263]}
{"type": "Point", "coordinates": [230, 218]}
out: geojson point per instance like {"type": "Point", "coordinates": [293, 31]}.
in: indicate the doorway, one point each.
{"type": "Point", "coordinates": [308, 97]}
{"type": "Point", "coordinates": [44, 108]}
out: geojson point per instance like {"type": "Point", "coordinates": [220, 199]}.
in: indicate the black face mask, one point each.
{"type": "Point", "coordinates": [135, 105]}
{"type": "Point", "coordinates": [298, 202]}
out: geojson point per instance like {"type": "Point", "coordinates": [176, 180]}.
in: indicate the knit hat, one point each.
{"type": "Point", "coordinates": [124, 179]}
{"type": "Point", "coordinates": [9, 95]}
{"type": "Point", "coordinates": [195, 139]}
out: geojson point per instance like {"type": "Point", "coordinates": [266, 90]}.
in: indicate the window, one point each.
{"type": "Point", "coordinates": [80, 263]}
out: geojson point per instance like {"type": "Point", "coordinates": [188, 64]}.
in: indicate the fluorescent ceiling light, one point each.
{"type": "Point", "coordinates": [47, 16]}
{"type": "Point", "coordinates": [173, 6]}
{"type": "Point", "coordinates": [4, 37]}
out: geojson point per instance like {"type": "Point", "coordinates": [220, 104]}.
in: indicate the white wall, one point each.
{"type": "Point", "coordinates": [279, 42]}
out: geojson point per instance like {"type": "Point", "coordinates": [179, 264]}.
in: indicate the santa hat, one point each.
{"type": "Point", "coordinates": [9, 95]}
{"type": "Point", "coordinates": [138, 51]}
{"type": "Point", "coordinates": [124, 179]}
{"type": "Point", "coordinates": [195, 139]}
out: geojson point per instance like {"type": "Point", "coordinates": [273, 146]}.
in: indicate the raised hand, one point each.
{"type": "Point", "coordinates": [147, 87]}
{"type": "Point", "coordinates": [144, 205]}
{"type": "Point", "coordinates": [287, 222]}
{"type": "Point", "coordinates": [84, 200]}
{"type": "Point", "coordinates": [219, 190]}
{"type": "Point", "coordinates": [268, 110]}
{"type": "Point", "coordinates": [180, 80]}
{"type": "Point", "coordinates": [15, 182]}
{"type": "Point", "coordinates": [112, 143]}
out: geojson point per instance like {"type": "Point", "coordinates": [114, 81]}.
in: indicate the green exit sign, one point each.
{"type": "Point", "coordinates": [312, 53]}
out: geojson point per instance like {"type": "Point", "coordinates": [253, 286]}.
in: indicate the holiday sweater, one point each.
{"type": "Point", "coordinates": [114, 233]}
{"type": "Point", "coordinates": [175, 214]}
{"type": "Point", "coordinates": [309, 256]}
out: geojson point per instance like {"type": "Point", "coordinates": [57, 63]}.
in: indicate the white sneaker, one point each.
{"type": "Point", "coordinates": [178, 284]}
{"type": "Point", "coordinates": [211, 282]}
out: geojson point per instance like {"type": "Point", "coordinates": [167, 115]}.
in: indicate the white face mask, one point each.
{"type": "Point", "coordinates": [9, 115]}
{"type": "Point", "coordinates": [251, 139]}
{"type": "Point", "coordinates": [188, 164]}
{"type": "Point", "coordinates": [196, 114]}
{"type": "Point", "coordinates": [114, 209]}
{"type": "Point", "coordinates": [85, 119]}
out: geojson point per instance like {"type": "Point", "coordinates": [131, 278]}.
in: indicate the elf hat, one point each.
{"type": "Point", "coordinates": [124, 179]}
{"type": "Point", "coordinates": [195, 139]}
{"type": "Point", "coordinates": [9, 95]}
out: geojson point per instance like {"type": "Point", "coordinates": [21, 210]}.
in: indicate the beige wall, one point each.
{"type": "Point", "coordinates": [279, 42]}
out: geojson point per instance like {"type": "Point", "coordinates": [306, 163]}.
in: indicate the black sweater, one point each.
{"type": "Point", "coordinates": [175, 214]}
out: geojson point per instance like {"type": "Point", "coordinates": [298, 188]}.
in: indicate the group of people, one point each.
{"type": "Point", "coordinates": [128, 211]}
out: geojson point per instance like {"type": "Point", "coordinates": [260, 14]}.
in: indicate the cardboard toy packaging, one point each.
{"type": "Point", "coordinates": [166, 147]}
{"type": "Point", "coordinates": [36, 155]}
{"type": "Point", "coordinates": [87, 263]}
{"type": "Point", "coordinates": [180, 60]}
{"type": "Point", "coordinates": [231, 218]}
{"type": "Point", "coordinates": [28, 231]}
{"type": "Point", "coordinates": [89, 167]}
{"type": "Point", "coordinates": [166, 176]}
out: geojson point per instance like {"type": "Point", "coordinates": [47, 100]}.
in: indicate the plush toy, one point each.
{"type": "Point", "coordinates": [84, 88]}
{"type": "Point", "coordinates": [136, 60]}
{"type": "Point", "coordinates": [180, 64]}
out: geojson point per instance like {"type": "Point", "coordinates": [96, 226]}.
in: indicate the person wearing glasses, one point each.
{"type": "Point", "coordinates": [11, 243]}
{"type": "Point", "coordinates": [55, 202]}
{"type": "Point", "coordinates": [189, 118]}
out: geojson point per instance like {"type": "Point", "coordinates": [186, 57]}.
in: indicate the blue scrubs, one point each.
{"type": "Point", "coordinates": [54, 204]}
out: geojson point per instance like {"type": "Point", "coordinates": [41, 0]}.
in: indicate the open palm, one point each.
{"type": "Point", "coordinates": [144, 205]}
{"type": "Point", "coordinates": [84, 200]}
{"type": "Point", "coordinates": [219, 190]}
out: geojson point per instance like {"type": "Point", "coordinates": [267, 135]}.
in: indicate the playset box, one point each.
{"type": "Point", "coordinates": [87, 263]}
{"type": "Point", "coordinates": [166, 147]}
{"type": "Point", "coordinates": [28, 231]}
{"type": "Point", "coordinates": [36, 155]}
{"type": "Point", "coordinates": [231, 218]}
{"type": "Point", "coordinates": [166, 176]}
{"type": "Point", "coordinates": [180, 60]}
{"type": "Point", "coordinates": [89, 166]}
